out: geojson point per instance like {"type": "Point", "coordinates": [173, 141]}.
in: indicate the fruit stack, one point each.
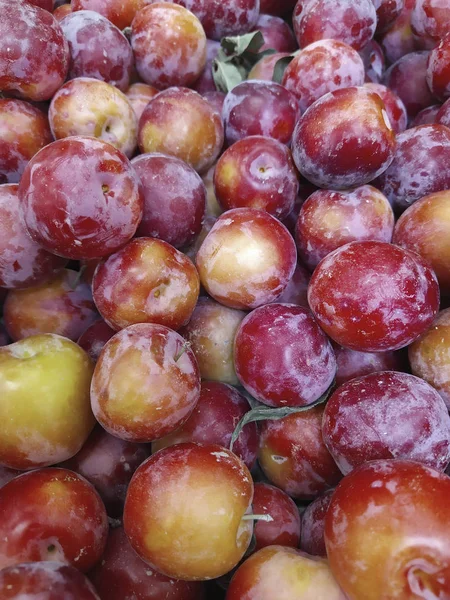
{"type": "Point", "coordinates": [225, 300]}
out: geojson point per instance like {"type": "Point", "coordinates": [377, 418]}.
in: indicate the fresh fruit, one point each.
{"type": "Point", "coordinates": [34, 43]}
{"type": "Point", "coordinates": [258, 578]}
{"type": "Point", "coordinates": [169, 45]}
{"type": "Point", "coordinates": [386, 531]}
{"type": "Point", "coordinates": [257, 172]}
{"type": "Point", "coordinates": [81, 198]}
{"type": "Point", "coordinates": [45, 580]}
{"type": "Point", "coordinates": [344, 140]}
{"type": "Point", "coordinates": [387, 415]}
{"type": "Point", "coordinates": [24, 131]}
{"type": "Point", "coordinates": [52, 514]}
{"type": "Point", "coordinates": [282, 357]}
{"type": "Point", "coordinates": [46, 415]}
{"type": "Point", "coordinates": [97, 48]}
{"type": "Point", "coordinates": [373, 296]}
{"type": "Point", "coordinates": [293, 455]}
{"type": "Point", "coordinates": [147, 281]}
{"type": "Point", "coordinates": [202, 504]}
{"type": "Point", "coordinates": [145, 383]}
{"type": "Point", "coordinates": [63, 305]}
{"type": "Point", "coordinates": [247, 259]}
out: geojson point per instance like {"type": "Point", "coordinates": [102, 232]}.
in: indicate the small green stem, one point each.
{"type": "Point", "coordinates": [183, 349]}
{"type": "Point", "coordinates": [266, 518]}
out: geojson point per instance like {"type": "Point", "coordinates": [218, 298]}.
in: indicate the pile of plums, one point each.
{"type": "Point", "coordinates": [225, 300]}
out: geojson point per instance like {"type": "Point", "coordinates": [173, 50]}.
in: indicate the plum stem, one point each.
{"type": "Point", "coordinates": [183, 349]}
{"type": "Point", "coordinates": [266, 518]}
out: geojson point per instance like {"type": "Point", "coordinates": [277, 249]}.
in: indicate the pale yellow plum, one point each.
{"type": "Point", "coordinates": [211, 331]}
{"type": "Point", "coordinates": [45, 410]}
{"type": "Point", "coordinates": [86, 106]}
{"type": "Point", "coordinates": [285, 574]}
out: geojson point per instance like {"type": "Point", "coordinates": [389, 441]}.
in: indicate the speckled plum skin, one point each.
{"type": "Point", "coordinates": [277, 571]}
{"type": "Point", "coordinates": [30, 438]}
{"type": "Point", "coordinates": [97, 48]}
{"type": "Point", "coordinates": [328, 220]}
{"type": "Point", "coordinates": [34, 54]}
{"type": "Point", "coordinates": [169, 45]}
{"type": "Point", "coordinates": [208, 489]}
{"type": "Point", "coordinates": [425, 228]}
{"type": "Point", "coordinates": [350, 21]}
{"type": "Point", "coordinates": [221, 19]}
{"type": "Point", "coordinates": [120, 12]}
{"type": "Point", "coordinates": [247, 259]}
{"type": "Point", "coordinates": [219, 409]}
{"type": "Point", "coordinates": [282, 357]}
{"type": "Point", "coordinates": [260, 108]}
{"type": "Point", "coordinates": [210, 332]}
{"type": "Point", "coordinates": [181, 123]}
{"type": "Point", "coordinates": [122, 575]}
{"type": "Point", "coordinates": [344, 140]}
{"type": "Point", "coordinates": [89, 107]}
{"type": "Point", "coordinates": [293, 455]}
{"type": "Point", "coordinates": [386, 531]}
{"type": "Point", "coordinates": [147, 281]}
{"type": "Point", "coordinates": [387, 415]}
{"type": "Point", "coordinates": [23, 263]}
{"type": "Point", "coordinates": [160, 390]}
{"type": "Point", "coordinates": [373, 296]}
{"type": "Point", "coordinates": [374, 61]}
{"type": "Point", "coordinates": [205, 82]}
{"type": "Point", "coordinates": [429, 355]}
{"type": "Point", "coordinates": [108, 463]}
{"type": "Point", "coordinates": [24, 130]}
{"type": "Point", "coordinates": [396, 110]}
{"type": "Point", "coordinates": [322, 67]}
{"type": "Point", "coordinates": [94, 337]}
{"type": "Point", "coordinates": [81, 198]}
{"type": "Point", "coordinates": [174, 199]}
{"type": "Point", "coordinates": [419, 167]}
{"type": "Point", "coordinates": [46, 580]}
{"type": "Point", "coordinates": [284, 529]}
{"type": "Point", "coordinates": [139, 95]}
{"type": "Point", "coordinates": [312, 539]}
{"type": "Point", "coordinates": [407, 78]}
{"type": "Point", "coordinates": [438, 69]}
{"type": "Point", "coordinates": [352, 364]}
{"type": "Point", "coordinates": [52, 514]}
{"type": "Point", "coordinates": [277, 34]}
{"type": "Point", "coordinates": [62, 305]}
{"type": "Point", "coordinates": [257, 172]}
{"type": "Point", "coordinates": [430, 19]}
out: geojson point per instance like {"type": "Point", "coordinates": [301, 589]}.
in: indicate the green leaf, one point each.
{"type": "Point", "coordinates": [266, 413]}
{"type": "Point", "coordinates": [226, 75]}
{"type": "Point", "coordinates": [280, 68]}
{"type": "Point", "coordinates": [237, 45]}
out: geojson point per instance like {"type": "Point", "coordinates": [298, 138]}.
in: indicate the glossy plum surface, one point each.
{"type": "Point", "coordinates": [160, 390]}
{"type": "Point", "coordinates": [386, 531]}
{"type": "Point", "coordinates": [52, 514]}
{"type": "Point", "coordinates": [282, 357]}
{"type": "Point", "coordinates": [373, 296]}
{"type": "Point", "coordinates": [81, 198]}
